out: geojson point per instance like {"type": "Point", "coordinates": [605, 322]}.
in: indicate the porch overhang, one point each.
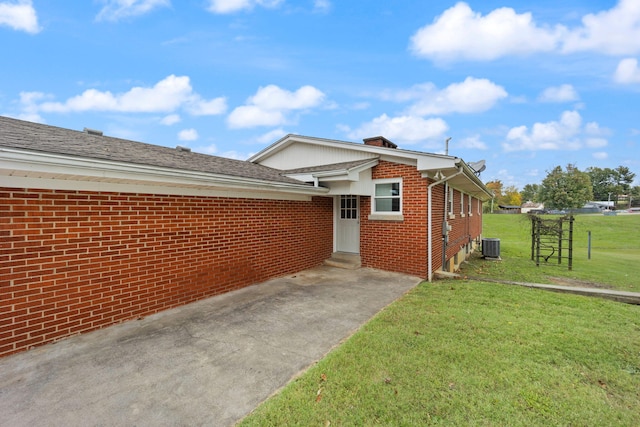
{"type": "Point", "coordinates": [339, 178]}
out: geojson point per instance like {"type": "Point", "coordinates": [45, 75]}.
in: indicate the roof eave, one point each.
{"type": "Point", "coordinates": [30, 164]}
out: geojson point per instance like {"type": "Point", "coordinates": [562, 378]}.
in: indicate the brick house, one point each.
{"type": "Point", "coordinates": [98, 230]}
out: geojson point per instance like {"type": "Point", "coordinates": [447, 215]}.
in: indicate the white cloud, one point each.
{"type": "Point", "coordinates": [213, 107]}
{"type": "Point", "coordinates": [171, 119]}
{"type": "Point", "coordinates": [567, 133]}
{"type": "Point", "coordinates": [470, 96]}
{"type": "Point", "coordinates": [271, 136]}
{"type": "Point", "coordinates": [20, 16]}
{"type": "Point", "coordinates": [613, 32]}
{"type": "Point", "coordinates": [207, 149]}
{"type": "Point", "coordinates": [268, 107]}
{"type": "Point", "coordinates": [600, 155]}
{"type": "Point", "coordinates": [251, 115]}
{"type": "Point", "coordinates": [407, 129]}
{"type": "Point", "coordinates": [188, 135]}
{"type": "Point", "coordinates": [166, 96]}
{"type": "Point", "coordinates": [274, 98]}
{"type": "Point", "coordinates": [115, 10]}
{"type": "Point", "coordinates": [231, 6]}
{"type": "Point", "coordinates": [562, 93]}
{"type": "Point", "coordinates": [596, 142]}
{"type": "Point", "coordinates": [462, 34]}
{"type": "Point", "coordinates": [473, 142]}
{"type": "Point", "coordinates": [594, 129]}
{"type": "Point", "coordinates": [321, 6]}
{"type": "Point", "coordinates": [627, 71]}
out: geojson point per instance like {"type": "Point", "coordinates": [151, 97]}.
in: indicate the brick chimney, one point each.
{"type": "Point", "coordinates": [379, 141]}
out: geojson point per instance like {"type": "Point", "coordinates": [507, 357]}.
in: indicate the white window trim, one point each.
{"type": "Point", "coordinates": [386, 216]}
{"type": "Point", "coordinates": [462, 214]}
{"type": "Point", "coordinates": [470, 205]}
{"type": "Point", "coordinates": [451, 203]}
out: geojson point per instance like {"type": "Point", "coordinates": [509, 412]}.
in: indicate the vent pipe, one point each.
{"type": "Point", "coordinates": [93, 131]}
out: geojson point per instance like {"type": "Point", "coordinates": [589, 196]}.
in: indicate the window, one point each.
{"type": "Point", "coordinates": [451, 201]}
{"type": "Point", "coordinates": [470, 205]}
{"type": "Point", "coordinates": [461, 203]}
{"type": "Point", "coordinates": [348, 207]}
{"type": "Point", "coordinates": [387, 197]}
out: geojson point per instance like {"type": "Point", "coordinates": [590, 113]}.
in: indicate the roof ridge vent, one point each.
{"type": "Point", "coordinates": [183, 148]}
{"type": "Point", "coordinates": [93, 131]}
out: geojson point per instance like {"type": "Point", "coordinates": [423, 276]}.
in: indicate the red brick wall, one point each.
{"type": "Point", "coordinates": [391, 245]}
{"type": "Point", "coordinates": [402, 246]}
{"type": "Point", "coordinates": [438, 209]}
{"type": "Point", "coordinates": [73, 261]}
{"type": "Point", "coordinates": [464, 227]}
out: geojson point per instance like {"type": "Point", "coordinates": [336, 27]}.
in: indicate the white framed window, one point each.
{"type": "Point", "coordinates": [387, 197]}
{"type": "Point", "coordinates": [348, 207]}
{"type": "Point", "coordinates": [451, 202]}
{"type": "Point", "coordinates": [470, 208]}
{"type": "Point", "coordinates": [461, 204]}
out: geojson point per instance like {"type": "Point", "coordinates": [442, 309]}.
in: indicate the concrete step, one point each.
{"type": "Point", "coordinates": [344, 260]}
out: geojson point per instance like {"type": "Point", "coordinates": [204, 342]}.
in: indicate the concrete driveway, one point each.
{"type": "Point", "coordinates": [208, 363]}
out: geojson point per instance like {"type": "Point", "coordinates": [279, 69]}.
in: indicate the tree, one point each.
{"type": "Point", "coordinates": [511, 196]}
{"type": "Point", "coordinates": [609, 183]}
{"type": "Point", "coordinates": [496, 187]}
{"type": "Point", "coordinates": [624, 178]}
{"type": "Point", "coordinates": [504, 195]}
{"type": "Point", "coordinates": [530, 192]}
{"type": "Point", "coordinates": [568, 189]}
{"type": "Point", "coordinates": [634, 196]}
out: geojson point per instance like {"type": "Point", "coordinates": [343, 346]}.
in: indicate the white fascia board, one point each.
{"type": "Point", "coordinates": [26, 164]}
{"type": "Point", "coordinates": [145, 188]}
{"type": "Point", "coordinates": [428, 164]}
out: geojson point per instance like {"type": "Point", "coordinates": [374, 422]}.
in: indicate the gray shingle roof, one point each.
{"type": "Point", "coordinates": [50, 139]}
{"type": "Point", "coordinates": [331, 167]}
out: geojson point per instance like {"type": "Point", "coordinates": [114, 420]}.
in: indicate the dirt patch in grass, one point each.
{"type": "Point", "coordinates": [566, 281]}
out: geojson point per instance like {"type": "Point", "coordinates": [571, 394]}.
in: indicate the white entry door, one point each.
{"type": "Point", "coordinates": [348, 224]}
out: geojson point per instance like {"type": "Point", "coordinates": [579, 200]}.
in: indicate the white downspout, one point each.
{"type": "Point", "coordinates": [430, 221]}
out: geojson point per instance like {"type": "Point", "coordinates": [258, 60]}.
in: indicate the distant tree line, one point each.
{"type": "Point", "coordinates": [571, 188]}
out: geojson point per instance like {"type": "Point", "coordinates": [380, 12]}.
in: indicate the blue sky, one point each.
{"type": "Point", "coordinates": [525, 85]}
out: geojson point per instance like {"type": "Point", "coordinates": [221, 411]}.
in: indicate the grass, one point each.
{"type": "Point", "coordinates": [615, 251]}
{"type": "Point", "coordinates": [467, 352]}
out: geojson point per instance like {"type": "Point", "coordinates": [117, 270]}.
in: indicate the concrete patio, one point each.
{"type": "Point", "coordinates": [207, 363]}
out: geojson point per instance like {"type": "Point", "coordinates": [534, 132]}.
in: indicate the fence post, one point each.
{"type": "Point", "coordinates": [560, 235]}
{"type": "Point", "coordinates": [571, 242]}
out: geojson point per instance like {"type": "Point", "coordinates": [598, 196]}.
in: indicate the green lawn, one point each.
{"type": "Point", "coordinates": [467, 352]}
{"type": "Point", "coordinates": [615, 252]}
